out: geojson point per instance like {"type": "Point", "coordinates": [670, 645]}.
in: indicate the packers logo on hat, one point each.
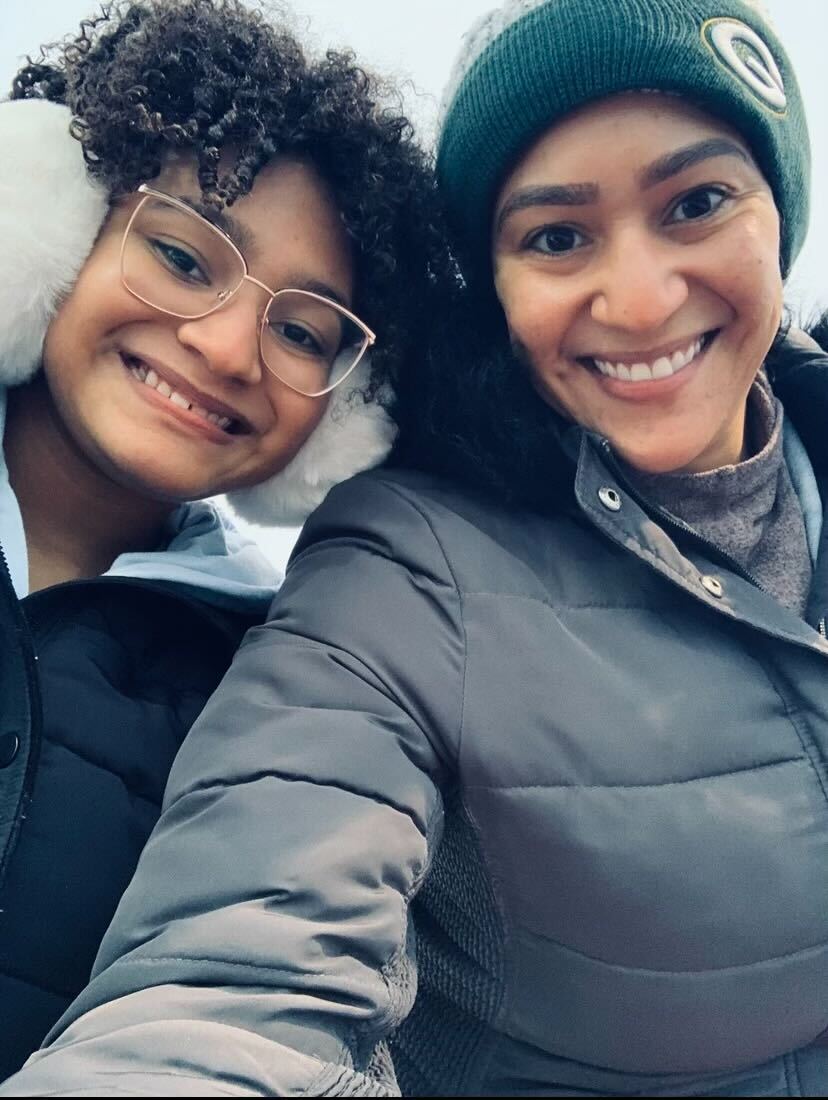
{"type": "Point", "coordinates": [746, 55]}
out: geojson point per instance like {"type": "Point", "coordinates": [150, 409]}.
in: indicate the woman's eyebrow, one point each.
{"type": "Point", "coordinates": [563, 194]}
{"type": "Point", "coordinates": [673, 163]}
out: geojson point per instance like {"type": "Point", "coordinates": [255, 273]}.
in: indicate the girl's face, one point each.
{"type": "Point", "coordinates": [243, 423]}
{"type": "Point", "coordinates": [636, 257]}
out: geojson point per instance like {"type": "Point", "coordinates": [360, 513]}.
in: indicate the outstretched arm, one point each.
{"type": "Point", "coordinates": [264, 944]}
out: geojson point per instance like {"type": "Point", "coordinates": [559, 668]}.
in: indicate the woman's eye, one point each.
{"type": "Point", "coordinates": [698, 204]}
{"type": "Point", "coordinates": [556, 240]}
{"type": "Point", "coordinates": [180, 261]}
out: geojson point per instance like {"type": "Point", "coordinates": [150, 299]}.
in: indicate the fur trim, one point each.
{"type": "Point", "coordinates": [353, 435]}
{"type": "Point", "coordinates": [50, 214]}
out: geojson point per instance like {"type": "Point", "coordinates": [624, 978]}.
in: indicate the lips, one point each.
{"type": "Point", "coordinates": [184, 396]}
{"type": "Point", "coordinates": [655, 368]}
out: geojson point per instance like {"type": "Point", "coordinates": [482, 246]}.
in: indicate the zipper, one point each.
{"type": "Point", "coordinates": [26, 641]}
{"type": "Point", "coordinates": [680, 526]}
{"type": "Point", "coordinates": [822, 628]}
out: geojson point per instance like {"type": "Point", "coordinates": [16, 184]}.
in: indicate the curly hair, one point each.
{"type": "Point", "coordinates": [217, 79]}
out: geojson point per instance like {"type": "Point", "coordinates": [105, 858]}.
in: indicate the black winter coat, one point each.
{"type": "Point", "coordinates": [99, 683]}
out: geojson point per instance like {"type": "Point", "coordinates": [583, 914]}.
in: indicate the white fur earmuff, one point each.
{"type": "Point", "coordinates": [353, 435]}
{"type": "Point", "coordinates": [50, 214]}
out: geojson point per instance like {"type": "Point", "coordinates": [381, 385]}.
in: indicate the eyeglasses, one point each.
{"type": "Point", "coordinates": [181, 264]}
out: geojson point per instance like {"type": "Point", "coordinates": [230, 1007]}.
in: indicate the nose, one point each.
{"type": "Point", "coordinates": [228, 338]}
{"type": "Point", "coordinates": [639, 284]}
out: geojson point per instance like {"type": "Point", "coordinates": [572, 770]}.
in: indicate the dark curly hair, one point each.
{"type": "Point", "coordinates": [473, 415]}
{"type": "Point", "coordinates": [217, 79]}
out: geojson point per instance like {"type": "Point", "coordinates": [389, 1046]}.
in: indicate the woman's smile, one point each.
{"type": "Point", "coordinates": [636, 257]}
{"type": "Point", "coordinates": [653, 375]}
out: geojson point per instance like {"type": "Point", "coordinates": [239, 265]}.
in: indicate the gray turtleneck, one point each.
{"type": "Point", "coordinates": [749, 510]}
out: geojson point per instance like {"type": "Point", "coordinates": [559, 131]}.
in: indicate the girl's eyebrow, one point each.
{"type": "Point", "coordinates": [581, 194]}
{"type": "Point", "coordinates": [234, 229]}
{"type": "Point", "coordinates": [673, 163]}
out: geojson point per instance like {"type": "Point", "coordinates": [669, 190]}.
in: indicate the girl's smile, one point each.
{"type": "Point", "coordinates": [181, 408]}
{"type": "Point", "coordinates": [177, 396]}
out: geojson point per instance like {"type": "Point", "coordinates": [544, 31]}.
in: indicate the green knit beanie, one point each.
{"type": "Point", "coordinates": [530, 62]}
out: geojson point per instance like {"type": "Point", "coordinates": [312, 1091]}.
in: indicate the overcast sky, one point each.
{"type": "Point", "coordinates": [418, 39]}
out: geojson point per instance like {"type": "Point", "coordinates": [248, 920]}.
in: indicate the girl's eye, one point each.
{"type": "Point", "coordinates": [180, 261]}
{"type": "Point", "coordinates": [698, 204]}
{"type": "Point", "coordinates": [297, 336]}
{"type": "Point", "coordinates": [556, 240]}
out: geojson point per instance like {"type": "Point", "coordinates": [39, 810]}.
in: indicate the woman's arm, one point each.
{"type": "Point", "coordinates": [264, 945]}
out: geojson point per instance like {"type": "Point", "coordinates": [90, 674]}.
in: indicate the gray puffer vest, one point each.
{"type": "Point", "coordinates": [569, 771]}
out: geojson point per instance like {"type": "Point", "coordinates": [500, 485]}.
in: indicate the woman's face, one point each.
{"type": "Point", "coordinates": [103, 343]}
{"type": "Point", "coordinates": [636, 257]}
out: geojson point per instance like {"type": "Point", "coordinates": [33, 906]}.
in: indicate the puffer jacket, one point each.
{"type": "Point", "coordinates": [100, 683]}
{"type": "Point", "coordinates": [559, 782]}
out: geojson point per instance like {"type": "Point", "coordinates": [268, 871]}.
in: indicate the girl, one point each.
{"type": "Point", "coordinates": [202, 233]}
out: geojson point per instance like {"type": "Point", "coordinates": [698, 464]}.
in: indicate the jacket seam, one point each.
{"type": "Point", "coordinates": [564, 606]}
{"type": "Point", "coordinates": [810, 749]}
{"type": "Point", "coordinates": [792, 1082]}
{"type": "Point", "coordinates": [63, 994]}
{"type": "Point", "coordinates": [103, 768]}
{"type": "Point", "coordinates": [748, 769]}
{"type": "Point", "coordinates": [387, 1016]}
{"type": "Point", "coordinates": [412, 502]}
{"type": "Point", "coordinates": [284, 777]}
{"type": "Point", "coordinates": [702, 972]}
{"type": "Point", "coordinates": [370, 675]}
{"type": "Point", "coordinates": [143, 1073]}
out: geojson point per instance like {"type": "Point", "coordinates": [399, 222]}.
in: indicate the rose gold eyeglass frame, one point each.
{"type": "Point", "coordinates": [224, 296]}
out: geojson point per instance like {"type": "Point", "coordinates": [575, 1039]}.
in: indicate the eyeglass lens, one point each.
{"type": "Point", "coordinates": [178, 263]}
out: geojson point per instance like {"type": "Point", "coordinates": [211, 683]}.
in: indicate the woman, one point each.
{"type": "Point", "coordinates": [559, 708]}
{"type": "Point", "coordinates": [187, 312]}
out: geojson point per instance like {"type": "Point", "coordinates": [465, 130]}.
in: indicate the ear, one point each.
{"type": "Point", "coordinates": [50, 215]}
{"type": "Point", "coordinates": [353, 435]}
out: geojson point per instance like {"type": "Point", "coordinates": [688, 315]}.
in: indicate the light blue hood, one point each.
{"type": "Point", "coordinates": [205, 554]}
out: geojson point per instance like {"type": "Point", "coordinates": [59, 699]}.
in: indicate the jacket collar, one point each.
{"type": "Point", "coordinates": [798, 373]}
{"type": "Point", "coordinates": [698, 569]}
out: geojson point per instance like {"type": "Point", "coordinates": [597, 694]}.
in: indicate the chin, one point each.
{"type": "Point", "coordinates": [674, 458]}
{"type": "Point", "coordinates": [165, 485]}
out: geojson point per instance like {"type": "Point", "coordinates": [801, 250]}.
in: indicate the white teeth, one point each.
{"type": "Point", "coordinates": [663, 367]}
{"type": "Point", "coordinates": [151, 379]}
{"type": "Point", "coordinates": [679, 359]}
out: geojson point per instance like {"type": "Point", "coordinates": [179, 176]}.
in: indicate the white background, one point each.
{"type": "Point", "coordinates": [417, 41]}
